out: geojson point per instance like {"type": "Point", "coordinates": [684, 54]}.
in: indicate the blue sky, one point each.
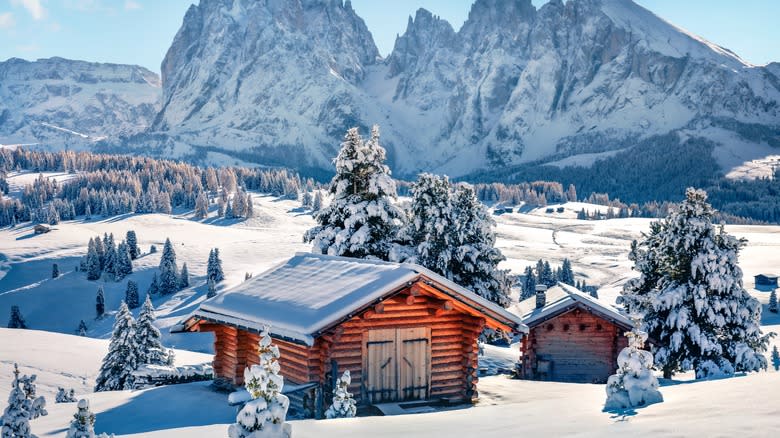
{"type": "Point", "coordinates": [140, 31]}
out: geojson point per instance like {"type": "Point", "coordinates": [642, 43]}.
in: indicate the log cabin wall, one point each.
{"type": "Point", "coordinates": [577, 346]}
{"type": "Point", "coordinates": [454, 351]}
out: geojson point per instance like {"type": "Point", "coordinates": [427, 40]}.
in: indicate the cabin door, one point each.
{"type": "Point", "coordinates": [398, 364]}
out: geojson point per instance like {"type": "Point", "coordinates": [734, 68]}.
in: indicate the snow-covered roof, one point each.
{"type": "Point", "coordinates": [563, 297]}
{"type": "Point", "coordinates": [309, 293]}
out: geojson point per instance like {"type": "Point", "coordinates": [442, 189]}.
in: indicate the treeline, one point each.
{"type": "Point", "coordinates": [109, 185]}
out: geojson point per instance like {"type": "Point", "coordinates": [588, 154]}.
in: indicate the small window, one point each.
{"type": "Point", "coordinates": [550, 327]}
{"type": "Point", "coordinates": [566, 327]}
{"type": "Point", "coordinates": [583, 327]}
{"type": "Point", "coordinates": [599, 327]}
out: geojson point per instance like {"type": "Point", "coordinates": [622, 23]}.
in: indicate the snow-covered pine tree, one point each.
{"type": "Point", "coordinates": [316, 204]}
{"type": "Point", "coordinates": [154, 287]}
{"type": "Point", "coordinates": [773, 301]}
{"type": "Point", "coordinates": [37, 403]}
{"type": "Point", "coordinates": [307, 199]}
{"type": "Point", "coordinates": [475, 257]}
{"type": "Point", "coordinates": [82, 330]}
{"type": "Point", "coordinates": [148, 338]}
{"type": "Point", "coordinates": [121, 360]}
{"type": "Point", "coordinates": [344, 405]}
{"type": "Point", "coordinates": [264, 415]}
{"type": "Point", "coordinates": [93, 262]}
{"type": "Point", "coordinates": [65, 396]}
{"type": "Point", "coordinates": [249, 210]}
{"type": "Point", "coordinates": [132, 244]}
{"type": "Point", "coordinates": [124, 265]}
{"type": "Point", "coordinates": [88, 212]}
{"type": "Point", "coordinates": [131, 295]}
{"type": "Point", "coordinates": [634, 384]}
{"type": "Point", "coordinates": [212, 289]}
{"type": "Point", "coordinates": [363, 220]}
{"type": "Point", "coordinates": [55, 270]}
{"type": "Point", "coordinates": [100, 303]}
{"type": "Point", "coordinates": [83, 423]}
{"type": "Point", "coordinates": [529, 284]}
{"type": "Point", "coordinates": [101, 253]}
{"type": "Point", "coordinates": [431, 229]}
{"type": "Point", "coordinates": [15, 421]}
{"type": "Point", "coordinates": [110, 264]}
{"type": "Point", "coordinates": [184, 277]}
{"type": "Point", "coordinates": [16, 321]}
{"type": "Point", "coordinates": [214, 267]}
{"type": "Point", "coordinates": [691, 295]}
{"type": "Point", "coordinates": [201, 206]}
{"type": "Point", "coordinates": [169, 276]}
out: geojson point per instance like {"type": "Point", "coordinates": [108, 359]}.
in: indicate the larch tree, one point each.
{"type": "Point", "coordinates": [691, 295]}
{"type": "Point", "coordinates": [116, 372]}
{"type": "Point", "coordinates": [362, 220]}
{"type": "Point", "coordinates": [201, 206]}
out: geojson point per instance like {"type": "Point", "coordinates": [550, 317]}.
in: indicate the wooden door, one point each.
{"type": "Point", "coordinates": [398, 364]}
{"type": "Point", "coordinates": [414, 359]}
{"type": "Point", "coordinates": [381, 377]}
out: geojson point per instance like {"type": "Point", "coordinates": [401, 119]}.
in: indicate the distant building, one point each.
{"type": "Point", "coordinates": [766, 281]}
{"type": "Point", "coordinates": [572, 337]}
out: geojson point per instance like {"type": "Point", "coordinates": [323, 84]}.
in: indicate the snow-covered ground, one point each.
{"type": "Point", "coordinates": [598, 251]}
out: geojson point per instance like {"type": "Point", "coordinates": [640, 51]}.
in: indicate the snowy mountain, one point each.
{"type": "Point", "coordinates": [279, 83]}
{"type": "Point", "coordinates": [59, 102]}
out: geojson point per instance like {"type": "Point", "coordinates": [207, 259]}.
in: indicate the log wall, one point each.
{"type": "Point", "coordinates": [580, 347]}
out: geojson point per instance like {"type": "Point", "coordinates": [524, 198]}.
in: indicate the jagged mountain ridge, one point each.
{"type": "Point", "coordinates": [280, 82]}
{"type": "Point", "coordinates": [59, 102]}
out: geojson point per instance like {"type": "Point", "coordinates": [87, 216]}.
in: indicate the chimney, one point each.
{"type": "Point", "coordinates": [541, 295]}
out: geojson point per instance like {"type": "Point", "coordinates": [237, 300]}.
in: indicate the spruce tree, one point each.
{"type": "Point", "coordinates": [16, 417]}
{"type": "Point", "coordinates": [363, 220]}
{"type": "Point", "coordinates": [93, 262]}
{"type": "Point", "coordinates": [567, 274]}
{"type": "Point", "coordinates": [691, 294]}
{"type": "Point", "coordinates": [100, 303]}
{"type": "Point", "coordinates": [55, 270]}
{"type": "Point", "coordinates": [132, 245]}
{"type": "Point", "coordinates": [124, 265]}
{"type": "Point", "coordinates": [773, 301]}
{"type": "Point", "coordinates": [110, 263]}
{"type": "Point", "coordinates": [633, 385]}
{"type": "Point", "coordinates": [775, 358]}
{"type": "Point", "coordinates": [431, 229]}
{"type": "Point", "coordinates": [529, 284]}
{"type": "Point", "coordinates": [184, 277]}
{"type": "Point", "coordinates": [121, 359]}
{"type": "Point", "coordinates": [83, 423]}
{"type": "Point", "coordinates": [475, 257]}
{"type": "Point", "coordinates": [214, 267]}
{"type": "Point", "coordinates": [148, 338]}
{"type": "Point", "coordinates": [101, 253]}
{"type": "Point", "coordinates": [131, 295]}
{"type": "Point", "coordinates": [169, 277]}
{"type": "Point", "coordinates": [16, 321]}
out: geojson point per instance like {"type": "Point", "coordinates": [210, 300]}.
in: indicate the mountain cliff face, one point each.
{"type": "Point", "coordinates": [279, 82]}
{"type": "Point", "coordinates": [59, 102]}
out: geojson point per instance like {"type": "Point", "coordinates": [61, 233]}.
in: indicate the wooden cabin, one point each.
{"type": "Point", "coordinates": [403, 332]}
{"type": "Point", "coordinates": [766, 281]}
{"type": "Point", "coordinates": [572, 337]}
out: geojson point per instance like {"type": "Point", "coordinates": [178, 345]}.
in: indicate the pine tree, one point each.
{"type": "Point", "coordinates": [184, 277]}
{"type": "Point", "coordinates": [83, 423]}
{"type": "Point", "coordinates": [362, 221]}
{"type": "Point", "coordinates": [87, 212]}
{"type": "Point", "coordinates": [634, 384]}
{"type": "Point", "coordinates": [37, 404]}
{"type": "Point", "coordinates": [264, 415]}
{"type": "Point", "coordinates": [691, 295]}
{"type": "Point", "coordinates": [16, 321]}
{"type": "Point", "coordinates": [64, 396]}
{"type": "Point", "coordinates": [475, 256]}
{"type": "Point", "coordinates": [148, 338]}
{"type": "Point", "coordinates": [131, 295]}
{"type": "Point", "coordinates": [154, 287]}
{"type": "Point", "coordinates": [124, 265]}
{"type": "Point", "coordinates": [93, 262]}
{"type": "Point", "coordinates": [773, 301]}
{"type": "Point", "coordinates": [343, 404]}
{"type": "Point", "coordinates": [100, 303]}
{"type": "Point", "coordinates": [153, 249]}
{"type": "Point", "coordinates": [775, 358]}
{"type": "Point", "coordinates": [201, 206]}
{"type": "Point", "coordinates": [82, 330]}
{"type": "Point", "coordinates": [55, 270]}
{"type": "Point", "coordinates": [529, 284]}
{"type": "Point", "coordinates": [214, 267]}
{"type": "Point", "coordinates": [110, 264]}
{"type": "Point", "coordinates": [316, 204]}
{"type": "Point", "coordinates": [169, 277]}
{"type": "Point", "coordinates": [16, 416]}
{"type": "Point", "coordinates": [101, 253]}
{"type": "Point", "coordinates": [132, 245]}
{"type": "Point", "coordinates": [547, 274]}
{"type": "Point", "coordinates": [431, 229]}
{"type": "Point", "coordinates": [121, 360]}
{"type": "Point", "coordinates": [567, 274]}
